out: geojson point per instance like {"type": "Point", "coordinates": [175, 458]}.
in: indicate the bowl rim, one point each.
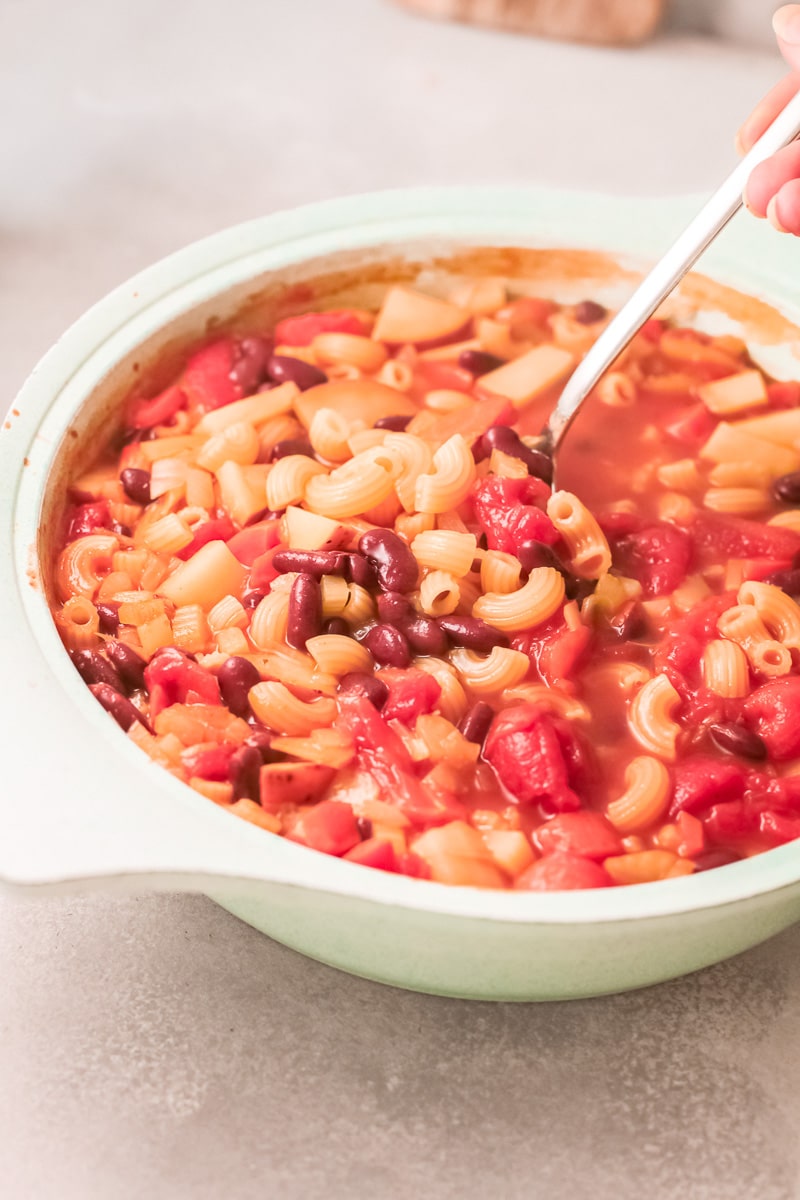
{"type": "Point", "coordinates": [750, 256]}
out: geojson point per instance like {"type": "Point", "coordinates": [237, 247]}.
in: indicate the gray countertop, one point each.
{"type": "Point", "coordinates": [154, 1045]}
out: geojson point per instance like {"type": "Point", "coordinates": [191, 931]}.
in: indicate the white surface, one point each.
{"type": "Point", "coordinates": [156, 1046]}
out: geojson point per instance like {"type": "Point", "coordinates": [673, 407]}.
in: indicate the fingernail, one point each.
{"type": "Point", "coordinates": [739, 145]}
{"type": "Point", "coordinates": [772, 215]}
{"type": "Point", "coordinates": [786, 23]}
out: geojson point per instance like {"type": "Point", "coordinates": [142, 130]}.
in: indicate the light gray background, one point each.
{"type": "Point", "coordinates": [154, 1046]}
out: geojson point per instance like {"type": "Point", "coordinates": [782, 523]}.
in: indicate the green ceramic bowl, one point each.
{"type": "Point", "coordinates": [82, 807]}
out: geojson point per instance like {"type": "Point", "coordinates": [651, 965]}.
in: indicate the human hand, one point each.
{"type": "Point", "coordinates": [773, 189]}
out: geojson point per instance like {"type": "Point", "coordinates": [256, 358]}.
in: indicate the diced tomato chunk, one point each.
{"type": "Point", "coordinates": [218, 529]}
{"type": "Point", "coordinates": [652, 329]}
{"type": "Point", "coordinates": [374, 852]}
{"type": "Point", "coordinates": [735, 537]}
{"type": "Point", "coordinates": [172, 678]}
{"type": "Point", "coordinates": [784, 394]}
{"type": "Point", "coordinates": [524, 747]}
{"type": "Point", "coordinates": [778, 828]}
{"type": "Point", "coordinates": [88, 518]}
{"type": "Point", "coordinates": [263, 571]}
{"type": "Point", "coordinates": [249, 544]}
{"type": "Point", "coordinates": [430, 374]}
{"type": "Point", "coordinates": [206, 378]}
{"type": "Point", "coordinates": [144, 414]}
{"type": "Point", "coordinates": [329, 826]}
{"type": "Point", "coordinates": [387, 759]}
{"type": "Point", "coordinates": [702, 780]}
{"type": "Point", "coordinates": [659, 556]}
{"type": "Point", "coordinates": [554, 648]}
{"type": "Point", "coordinates": [587, 834]}
{"type": "Point", "coordinates": [561, 872]}
{"type": "Point", "coordinates": [508, 513]}
{"type": "Point", "coordinates": [209, 762]}
{"type": "Point", "coordinates": [301, 331]}
{"type": "Point", "coordinates": [411, 693]}
{"type": "Point", "coordinates": [773, 712]}
{"type": "Point", "coordinates": [690, 426]}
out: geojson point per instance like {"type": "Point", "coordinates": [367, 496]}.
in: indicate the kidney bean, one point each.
{"type": "Point", "coordinates": [338, 626]}
{"type": "Point", "coordinates": [118, 706]}
{"type": "Point", "coordinates": [252, 598]}
{"type": "Point", "coordinates": [364, 827]}
{"type": "Point", "coordinates": [361, 571]}
{"type": "Point", "coordinates": [129, 664]}
{"type": "Point", "coordinates": [109, 618]}
{"type": "Point", "coordinates": [244, 772]}
{"type": "Point", "coordinates": [393, 607]}
{"type": "Point", "coordinates": [395, 424]}
{"type": "Point", "coordinates": [312, 562]}
{"type": "Point", "coordinates": [502, 437]}
{"type": "Point", "coordinates": [475, 724]}
{"type": "Point", "coordinates": [261, 740]}
{"type": "Point", "coordinates": [424, 636]}
{"type": "Point", "coordinates": [235, 678]}
{"type": "Point", "coordinates": [479, 362]}
{"type": "Point", "coordinates": [305, 611]}
{"type": "Point", "coordinates": [250, 368]}
{"type": "Point", "coordinates": [787, 488]}
{"type": "Point", "coordinates": [588, 312]}
{"type": "Point", "coordinates": [787, 581]}
{"type": "Point", "coordinates": [630, 622]}
{"type": "Point", "coordinates": [736, 739]}
{"type": "Point", "coordinates": [291, 446]}
{"type": "Point", "coordinates": [136, 484]}
{"type": "Point", "coordinates": [387, 646]}
{"type": "Point", "coordinates": [120, 529]}
{"type": "Point", "coordinates": [93, 668]}
{"type": "Point", "coordinates": [396, 567]}
{"type": "Point", "coordinates": [536, 554]}
{"type": "Point", "coordinates": [370, 686]}
{"type": "Point", "coordinates": [283, 369]}
{"type": "Point", "coordinates": [472, 632]}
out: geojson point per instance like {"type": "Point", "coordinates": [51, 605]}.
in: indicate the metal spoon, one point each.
{"type": "Point", "coordinates": [668, 271]}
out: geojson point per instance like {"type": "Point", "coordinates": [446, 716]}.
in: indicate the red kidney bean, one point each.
{"type": "Point", "coordinates": [312, 562]}
{"type": "Point", "coordinates": [129, 664]}
{"type": "Point", "coordinates": [118, 706]}
{"type": "Point", "coordinates": [93, 668]}
{"type": "Point", "coordinates": [472, 632]}
{"type": "Point", "coordinates": [261, 740]}
{"type": "Point", "coordinates": [536, 554]}
{"type": "Point", "coordinates": [588, 312]}
{"type": "Point", "coordinates": [396, 567]}
{"type": "Point", "coordinates": [370, 686]}
{"type": "Point", "coordinates": [361, 571]}
{"type": "Point", "coordinates": [305, 611]}
{"type": "Point", "coordinates": [787, 581]}
{"type": "Point", "coordinates": [478, 362]}
{"type": "Point", "coordinates": [244, 772]}
{"type": "Point", "coordinates": [250, 368]}
{"type": "Point", "coordinates": [364, 827]}
{"type": "Point", "coordinates": [109, 618]}
{"type": "Point", "coordinates": [289, 446]}
{"type": "Point", "coordinates": [120, 529]}
{"type": "Point", "coordinates": [252, 598]}
{"type": "Point", "coordinates": [630, 622]}
{"type": "Point", "coordinates": [424, 636]}
{"type": "Point", "coordinates": [736, 739]}
{"type": "Point", "coordinates": [136, 484]}
{"type": "Point", "coordinates": [395, 424]}
{"type": "Point", "coordinates": [475, 724]}
{"type": "Point", "coordinates": [338, 626]}
{"type": "Point", "coordinates": [387, 646]}
{"type": "Point", "coordinates": [283, 369]}
{"type": "Point", "coordinates": [787, 488]}
{"type": "Point", "coordinates": [235, 678]}
{"type": "Point", "coordinates": [392, 607]}
{"type": "Point", "coordinates": [503, 437]}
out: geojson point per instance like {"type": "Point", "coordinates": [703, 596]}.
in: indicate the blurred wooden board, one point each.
{"type": "Point", "coordinates": [604, 22]}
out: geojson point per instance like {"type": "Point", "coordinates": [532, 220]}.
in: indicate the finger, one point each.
{"type": "Point", "coordinates": [766, 111]}
{"type": "Point", "coordinates": [786, 24]}
{"type": "Point", "coordinates": [783, 210]}
{"type": "Point", "coordinates": [767, 179]}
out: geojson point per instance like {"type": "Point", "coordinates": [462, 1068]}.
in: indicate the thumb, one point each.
{"type": "Point", "coordinates": [786, 23]}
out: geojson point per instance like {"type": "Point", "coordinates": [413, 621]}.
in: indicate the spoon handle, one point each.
{"type": "Point", "coordinates": [668, 271]}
